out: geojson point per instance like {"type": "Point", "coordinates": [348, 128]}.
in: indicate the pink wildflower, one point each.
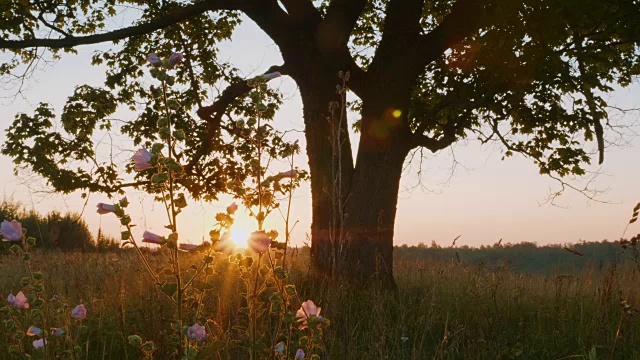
{"type": "Point", "coordinates": [307, 310]}
{"type": "Point", "coordinates": [231, 209]}
{"type": "Point", "coordinates": [11, 230]}
{"type": "Point", "coordinates": [141, 160]}
{"type": "Point", "coordinates": [79, 312]}
{"type": "Point", "coordinates": [151, 238]}
{"type": "Point", "coordinates": [19, 301]}
{"type": "Point", "coordinates": [259, 241]}
{"type": "Point", "coordinates": [105, 208]}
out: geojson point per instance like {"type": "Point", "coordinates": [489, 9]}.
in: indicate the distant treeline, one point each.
{"type": "Point", "coordinates": [524, 257]}
{"type": "Point", "coordinates": [70, 232]}
{"type": "Point", "coordinates": [54, 230]}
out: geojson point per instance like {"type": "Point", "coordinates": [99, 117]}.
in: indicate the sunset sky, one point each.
{"type": "Point", "coordinates": [483, 200]}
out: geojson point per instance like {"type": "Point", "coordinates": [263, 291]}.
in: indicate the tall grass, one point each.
{"type": "Point", "coordinates": [444, 310]}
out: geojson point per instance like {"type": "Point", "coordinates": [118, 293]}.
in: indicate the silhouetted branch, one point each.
{"type": "Point", "coordinates": [590, 194]}
{"type": "Point", "coordinates": [303, 10]}
{"type": "Point", "coordinates": [464, 19]}
{"type": "Point", "coordinates": [340, 19]}
{"type": "Point", "coordinates": [432, 144]}
{"type": "Point", "coordinates": [132, 31]}
{"type": "Point", "coordinates": [213, 113]}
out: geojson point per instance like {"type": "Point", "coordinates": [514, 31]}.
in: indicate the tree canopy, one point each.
{"type": "Point", "coordinates": [534, 73]}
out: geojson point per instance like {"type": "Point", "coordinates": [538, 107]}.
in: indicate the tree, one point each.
{"type": "Point", "coordinates": [530, 75]}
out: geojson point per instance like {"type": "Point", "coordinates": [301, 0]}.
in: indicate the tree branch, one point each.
{"type": "Point", "coordinates": [137, 30]}
{"type": "Point", "coordinates": [448, 137]}
{"type": "Point", "coordinates": [339, 21]}
{"type": "Point", "coordinates": [432, 144]}
{"type": "Point", "coordinates": [464, 19]}
{"type": "Point", "coordinates": [588, 94]}
{"type": "Point", "coordinates": [451, 128]}
{"type": "Point", "coordinates": [270, 17]}
{"type": "Point", "coordinates": [50, 26]}
{"type": "Point", "coordinates": [590, 194]}
{"type": "Point", "coordinates": [395, 58]}
{"type": "Point", "coordinates": [213, 113]}
{"type": "Point", "coordinates": [302, 10]}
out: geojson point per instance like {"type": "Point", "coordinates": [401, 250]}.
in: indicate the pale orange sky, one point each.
{"type": "Point", "coordinates": [485, 200]}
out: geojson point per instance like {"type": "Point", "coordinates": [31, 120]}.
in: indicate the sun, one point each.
{"type": "Point", "coordinates": [239, 236]}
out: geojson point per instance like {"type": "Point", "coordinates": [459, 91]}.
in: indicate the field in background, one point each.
{"type": "Point", "coordinates": [445, 309]}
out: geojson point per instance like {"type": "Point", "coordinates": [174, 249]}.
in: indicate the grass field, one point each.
{"type": "Point", "coordinates": [444, 310]}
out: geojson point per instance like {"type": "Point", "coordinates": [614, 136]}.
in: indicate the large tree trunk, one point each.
{"type": "Point", "coordinates": [330, 164]}
{"type": "Point", "coordinates": [373, 196]}
{"type": "Point", "coordinates": [371, 214]}
{"type": "Point", "coordinates": [353, 208]}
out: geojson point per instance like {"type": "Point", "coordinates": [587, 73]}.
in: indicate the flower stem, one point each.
{"type": "Point", "coordinates": [173, 218]}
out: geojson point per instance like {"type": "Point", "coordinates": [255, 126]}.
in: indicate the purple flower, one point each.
{"type": "Point", "coordinates": [105, 208]}
{"type": "Point", "coordinates": [174, 59]}
{"type": "Point", "coordinates": [259, 241]}
{"type": "Point", "coordinates": [289, 174]}
{"type": "Point", "coordinates": [33, 331]}
{"type": "Point", "coordinates": [141, 160]}
{"type": "Point", "coordinates": [196, 332]}
{"type": "Point", "coordinates": [231, 209]}
{"type": "Point", "coordinates": [151, 238]}
{"type": "Point", "coordinates": [39, 344]}
{"type": "Point", "coordinates": [194, 247]}
{"type": "Point", "coordinates": [188, 247]}
{"type": "Point", "coordinates": [271, 75]}
{"type": "Point", "coordinates": [57, 331]}
{"type": "Point", "coordinates": [19, 301]}
{"type": "Point", "coordinates": [307, 310]}
{"type": "Point", "coordinates": [79, 312]}
{"type": "Point", "coordinates": [11, 230]}
{"type": "Point", "coordinates": [154, 60]}
{"type": "Point", "coordinates": [299, 354]}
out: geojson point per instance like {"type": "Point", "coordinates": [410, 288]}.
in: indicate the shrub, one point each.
{"type": "Point", "coordinates": [54, 230]}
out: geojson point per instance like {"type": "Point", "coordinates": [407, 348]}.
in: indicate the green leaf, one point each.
{"type": "Point", "coordinates": [179, 134]}
{"type": "Point", "coordinates": [173, 104]}
{"type": "Point", "coordinates": [148, 346]}
{"type": "Point", "coordinates": [169, 288]}
{"type": "Point", "coordinates": [160, 178]}
{"type": "Point", "coordinates": [157, 148]}
{"type": "Point", "coordinates": [135, 340]}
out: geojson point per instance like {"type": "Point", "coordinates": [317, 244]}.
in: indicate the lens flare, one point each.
{"type": "Point", "coordinates": [239, 237]}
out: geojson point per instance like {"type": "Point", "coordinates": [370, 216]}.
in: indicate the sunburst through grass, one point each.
{"type": "Point", "coordinates": [239, 236]}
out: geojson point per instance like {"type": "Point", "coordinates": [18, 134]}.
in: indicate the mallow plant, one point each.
{"type": "Point", "coordinates": [274, 320]}
{"type": "Point", "coordinates": [38, 326]}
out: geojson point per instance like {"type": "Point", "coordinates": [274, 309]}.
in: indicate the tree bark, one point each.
{"type": "Point", "coordinates": [373, 195]}
{"type": "Point", "coordinates": [330, 165]}
{"type": "Point", "coordinates": [371, 214]}
{"type": "Point", "coordinates": [353, 208]}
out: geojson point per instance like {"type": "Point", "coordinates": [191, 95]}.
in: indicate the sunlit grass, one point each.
{"type": "Point", "coordinates": [444, 309]}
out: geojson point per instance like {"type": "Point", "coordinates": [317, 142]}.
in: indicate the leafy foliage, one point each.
{"type": "Point", "coordinates": [62, 156]}
{"type": "Point", "coordinates": [533, 77]}
{"type": "Point", "coordinates": [535, 80]}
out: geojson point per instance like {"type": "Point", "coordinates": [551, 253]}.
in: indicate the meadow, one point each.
{"type": "Point", "coordinates": [444, 309]}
